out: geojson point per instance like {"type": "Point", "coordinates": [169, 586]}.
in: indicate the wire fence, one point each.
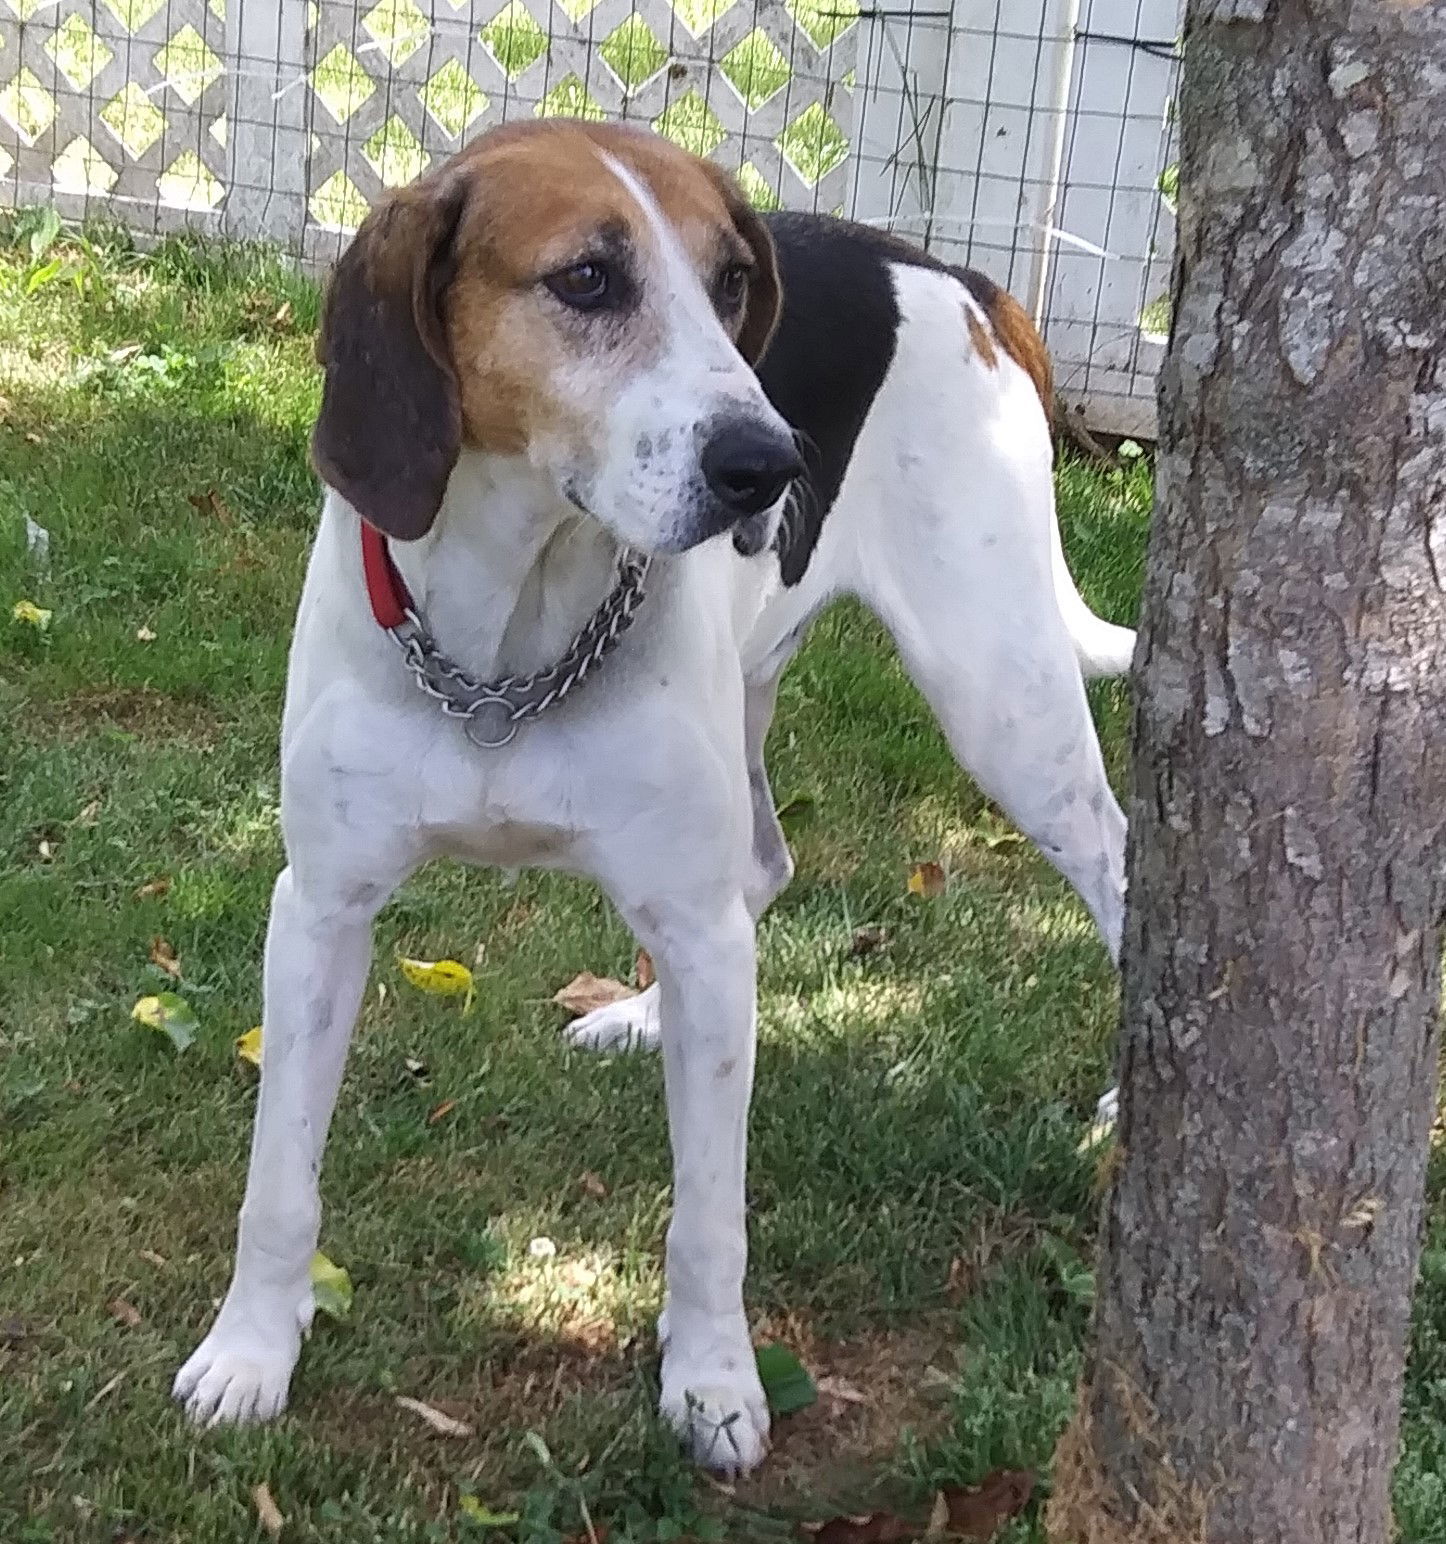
{"type": "Point", "coordinates": [1031, 138]}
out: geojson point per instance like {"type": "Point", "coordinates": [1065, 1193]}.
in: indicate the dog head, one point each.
{"type": "Point", "coordinates": [588, 297]}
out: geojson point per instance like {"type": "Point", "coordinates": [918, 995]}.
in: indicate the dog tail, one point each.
{"type": "Point", "coordinates": [1101, 648]}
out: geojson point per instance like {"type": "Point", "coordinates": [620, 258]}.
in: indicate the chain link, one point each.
{"type": "Point", "coordinates": [494, 710]}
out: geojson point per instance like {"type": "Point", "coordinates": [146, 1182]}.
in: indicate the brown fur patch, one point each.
{"type": "Point", "coordinates": [1020, 339]}
{"type": "Point", "coordinates": [983, 343]}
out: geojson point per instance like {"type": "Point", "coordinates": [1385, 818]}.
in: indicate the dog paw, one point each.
{"type": "Point", "coordinates": [719, 1413]}
{"type": "Point", "coordinates": [629, 1025]}
{"type": "Point", "coordinates": [238, 1375]}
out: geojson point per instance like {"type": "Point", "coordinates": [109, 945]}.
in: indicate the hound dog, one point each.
{"type": "Point", "coordinates": [554, 478]}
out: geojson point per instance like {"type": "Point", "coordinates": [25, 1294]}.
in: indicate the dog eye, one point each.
{"type": "Point", "coordinates": [585, 286]}
{"type": "Point", "coordinates": [733, 285]}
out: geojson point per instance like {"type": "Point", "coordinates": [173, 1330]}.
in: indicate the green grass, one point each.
{"type": "Point", "coordinates": [920, 1216]}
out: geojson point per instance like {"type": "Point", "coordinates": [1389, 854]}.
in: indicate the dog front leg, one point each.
{"type": "Point", "coordinates": [711, 1394]}
{"type": "Point", "coordinates": [317, 957]}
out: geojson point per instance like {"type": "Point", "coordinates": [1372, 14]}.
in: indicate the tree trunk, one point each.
{"type": "Point", "coordinates": [1281, 990]}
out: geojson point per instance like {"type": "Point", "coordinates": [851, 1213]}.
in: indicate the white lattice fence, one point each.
{"type": "Point", "coordinates": [1027, 137]}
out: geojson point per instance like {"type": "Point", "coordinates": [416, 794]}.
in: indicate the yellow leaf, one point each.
{"type": "Point", "coordinates": [248, 1046]}
{"type": "Point", "coordinates": [170, 1014]}
{"type": "Point", "coordinates": [28, 611]}
{"type": "Point", "coordinates": [926, 880]}
{"type": "Point", "coordinates": [331, 1289]}
{"type": "Point", "coordinates": [444, 978]}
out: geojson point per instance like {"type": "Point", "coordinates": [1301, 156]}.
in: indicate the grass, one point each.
{"type": "Point", "coordinates": [921, 1219]}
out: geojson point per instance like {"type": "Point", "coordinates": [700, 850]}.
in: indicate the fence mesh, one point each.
{"type": "Point", "coordinates": [1030, 138]}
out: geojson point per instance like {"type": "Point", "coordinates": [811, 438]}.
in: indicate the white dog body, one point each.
{"type": "Point", "coordinates": [509, 512]}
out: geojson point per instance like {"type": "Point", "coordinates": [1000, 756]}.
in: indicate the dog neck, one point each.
{"type": "Point", "coordinates": [510, 570]}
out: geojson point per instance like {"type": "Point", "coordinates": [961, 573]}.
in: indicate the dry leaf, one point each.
{"type": "Point", "coordinates": [843, 1391]}
{"type": "Point", "coordinates": [46, 849]}
{"type": "Point", "coordinates": [153, 887]}
{"type": "Point", "coordinates": [436, 1419]}
{"type": "Point", "coordinates": [32, 438]}
{"type": "Point", "coordinates": [592, 1184]}
{"type": "Point", "coordinates": [211, 503]}
{"type": "Point", "coordinates": [248, 1046]}
{"type": "Point", "coordinates": [124, 1313]}
{"type": "Point", "coordinates": [164, 957]}
{"type": "Point", "coordinates": [980, 1511]}
{"type": "Point", "coordinates": [152, 1258]}
{"type": "Point", "coordinates": [586, 991]}
{"type": "Point", "coordinates": [867, 940]}
{"type": "Point", "coordinates": [938, 1517]}
{"type": "Point", "coordinates": [268, 1514]}
{"type": "Point", "coordinates": [441, 1112]}
{"type": "Point", "coordinates": [872, 1528]}
{"type": "Point", "coordinates": [145, 635]}
{"type": "Point", "coordinates": [89, 815]}
{"type": "Point", "coordinates": [926, 880]}
{"type": "Point", "coordinates": [643, 972]}
{"type": "Point", "coordinates": [961, 1279]}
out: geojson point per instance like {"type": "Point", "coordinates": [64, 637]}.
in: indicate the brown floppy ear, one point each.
{"type": "Point", "coordinates": [765, 294]}
{"type": "Point", "coordinates": [390, 426]}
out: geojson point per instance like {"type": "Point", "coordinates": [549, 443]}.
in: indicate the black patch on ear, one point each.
{"type": "Point", "coordinates": [390, 427]}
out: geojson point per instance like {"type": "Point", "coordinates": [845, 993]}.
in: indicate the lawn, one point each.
{"type": "Point", "coordinates": [921, 1216]}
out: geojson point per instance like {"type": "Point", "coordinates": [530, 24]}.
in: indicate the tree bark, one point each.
{"type": "Point", "coordinates": [1281, 988]}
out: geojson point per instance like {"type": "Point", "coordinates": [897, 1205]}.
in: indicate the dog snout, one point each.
{"type": "Point", "coordinates": [748, 467]}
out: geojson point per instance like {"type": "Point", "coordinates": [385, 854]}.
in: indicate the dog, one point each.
{"type": "Point", "coordinates": [598, 441]}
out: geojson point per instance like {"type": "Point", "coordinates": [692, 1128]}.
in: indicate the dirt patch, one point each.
{"type": "Point", "coordinates": [138, 710]}
{"type": "Point", "coordinates": [873, 1387]}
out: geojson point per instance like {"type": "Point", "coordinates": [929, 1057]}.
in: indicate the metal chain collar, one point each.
{"type": "Point", "coordinates": [495, 709]}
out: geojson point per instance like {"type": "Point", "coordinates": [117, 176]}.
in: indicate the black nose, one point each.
{"type": "Point", "coordinates": [747, 467]}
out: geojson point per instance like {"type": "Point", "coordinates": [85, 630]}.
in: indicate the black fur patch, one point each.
{"type": "Point", "coordinates": [834, 345]}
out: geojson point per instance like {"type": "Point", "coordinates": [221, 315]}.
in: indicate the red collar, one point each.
{"type": "Point", "coordinates": [386, 589]}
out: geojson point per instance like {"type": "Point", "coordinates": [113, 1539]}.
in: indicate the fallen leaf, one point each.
{"type": "Point", "coordinates": [268, 1514]}
{"type": "Point", "coordinates": [153, 887]}
{"type": "Point", "coordinates": [248, 1046]}
{"type": "Point", "coordinates": [926, 880]}
{"type": "Point", "coordinates": [164, 957]}
{"type": "Point", "coordinates": [331, 1288]}
{"type": "Point", "coordinates": [442, 978]}
{"type": "Point", "coordinates": [867, 940]}
{"type": "Point", "coordinates": [89, 815]}
{"type": "Point", "coordinates": [124, 1313]}
{"type": "Point", "coordinates": [283, 314]}
{"type": "Point", "coordinates": [541, 1248]}
{"type": "Point", "coordinates": [441, 1111]}
{"type": "Point", "coordinates": [473, 1510]}
{"type": "Point", "coordinates": [145, 635]}
{"type": "Point", "coordinates": [938, 1518]}
{"type": "Point", "coordinates": [32, 438]}
{"type": "Point", "coordinates": [152, 1258]}
{"type": "Point", "coordinates": [171, 1015]}
{"type": "Point", "coordinates": [211, 503]}
{"type": "Point", "coordinates": [960, 1282]}
{"type": "Point", "coordinates": [785, 1379]}
{"type": "Point", "coordinates": [46, 849]}
{"type": "Point", "coordinates": [592, 1184]}
{"type": "Point", "coordinates": [32, 615]}
{"type": "Point", "coordinates": [643, 972]}
{"type": "Point", "coordinates": [980, 1511]}
{"type": "Point", "coordinates": [872, 1528]}
{"type": "Point", "coordinates": [842, 1390]}
{"type": "Point", "coordinates": [586, 991]}
{"type": "Point", "coordinates": [438, 1420]}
